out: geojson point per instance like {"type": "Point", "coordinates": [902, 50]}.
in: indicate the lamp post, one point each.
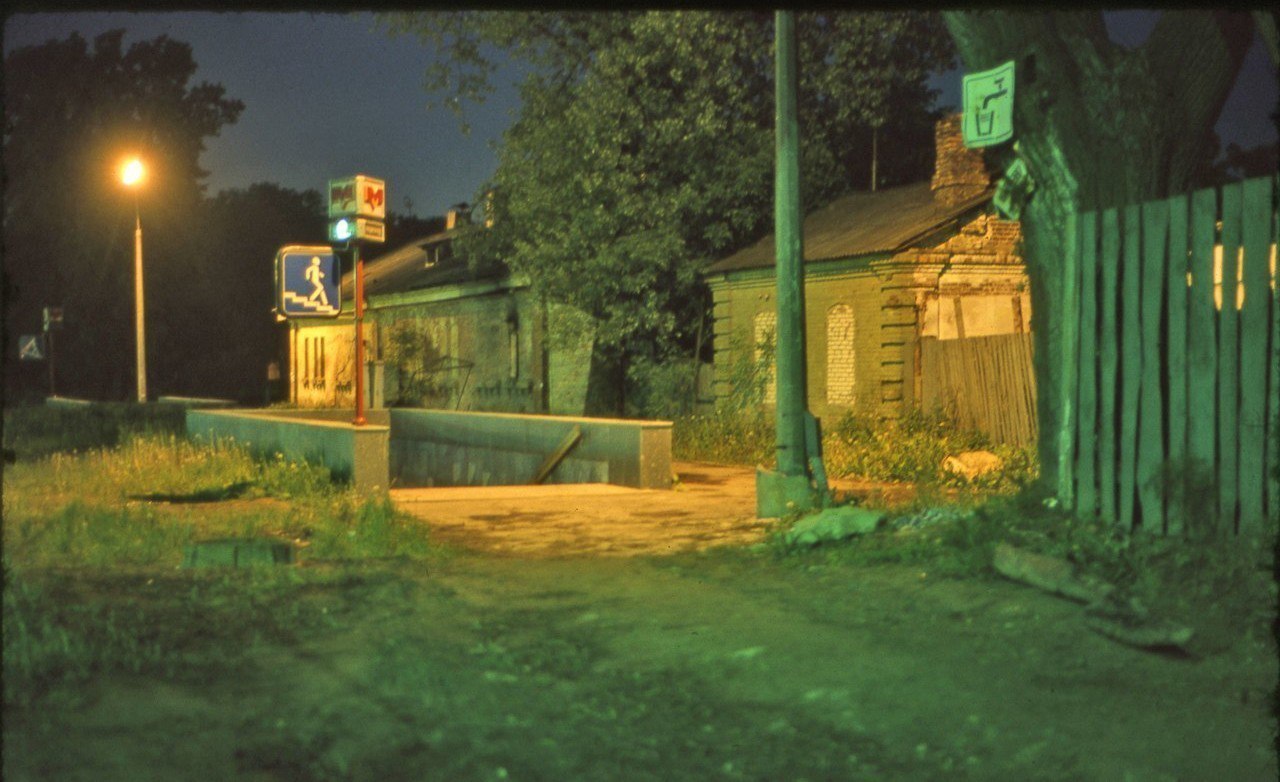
{"type": "Point", "coordinates": [132, 175]}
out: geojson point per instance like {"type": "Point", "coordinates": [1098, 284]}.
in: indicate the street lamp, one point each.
{"type": "Point", "coordinates": [132, 175]}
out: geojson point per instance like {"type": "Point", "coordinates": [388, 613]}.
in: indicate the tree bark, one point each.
{"type": "Point", "coordinates": [1097, 125]}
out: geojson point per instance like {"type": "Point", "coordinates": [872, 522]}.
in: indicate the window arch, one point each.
{"type": "Point", "coordinates": [841, 364]}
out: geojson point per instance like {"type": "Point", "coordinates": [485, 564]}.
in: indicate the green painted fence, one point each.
{"type": "Point", "coordinates": [1175, 391]}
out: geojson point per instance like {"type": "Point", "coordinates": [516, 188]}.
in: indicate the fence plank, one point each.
{"type": "Point", "coordinates": [1155, 232]}
{"type": "Point", "coordinates": [1255, 236]}
{"type": "Point", "coordinates": [1070, 359]}
{"type": "Point", "coordinates": [1087, 418]}
{"type": "Point", "coordinates": [1228, 361]}
{"type": "Point", "coordinates": [1130, 360]}
{"type": "Point", "coordinates": [1110, 342]}
{"type": "Point", "coordinates": [1273, 429]}
{"type": "Point", "coordinates": [1202, 359]}
{"type": "Point", "coordinates": [1176, 340]}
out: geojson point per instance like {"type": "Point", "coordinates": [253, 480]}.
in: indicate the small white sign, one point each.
{"type": "Point", "coordinates": [30, 348]}
{"type": "Point", "coordinates": [358, 196]}
{"type": "Point", "coordinates": [988, 107]}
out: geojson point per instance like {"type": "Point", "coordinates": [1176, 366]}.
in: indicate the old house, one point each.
{"type": "Point", "coordinates": [440, 333]}
{"type": "Point", "coordinates": [902, 286]}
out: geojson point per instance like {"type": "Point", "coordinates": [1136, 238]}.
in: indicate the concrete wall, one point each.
{"type": "Point", "coordinates": [356, 454]}
{"type": "Point", "coordinates": [445, 448]}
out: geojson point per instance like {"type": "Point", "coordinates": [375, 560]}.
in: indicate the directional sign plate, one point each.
{"type": "Point", "coordinates": [307, 280]}
{"type": "Point", "coordinates": [988, 107]}
{"type": "Point", "coordinates": [30, 347]}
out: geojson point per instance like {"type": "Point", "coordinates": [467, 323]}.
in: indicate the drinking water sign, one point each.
{"type": "Point", "coordinates": [307, 280]}
{"type": "Point", "coordinates": [988, 107]}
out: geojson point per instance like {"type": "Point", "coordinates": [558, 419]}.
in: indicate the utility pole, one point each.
{"type": "Point", "coordinates": [800, 482]}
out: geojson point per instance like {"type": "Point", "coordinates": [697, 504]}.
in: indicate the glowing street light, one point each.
{"type": "Point", "coordinates": [132, 174]}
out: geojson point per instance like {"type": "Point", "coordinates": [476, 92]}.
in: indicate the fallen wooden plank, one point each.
{"type": "Point", "coordinates": [1049, 573]}
{"type": "Point", "coordinates": [562, 450]}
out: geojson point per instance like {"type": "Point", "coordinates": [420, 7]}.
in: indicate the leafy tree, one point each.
{"type": "Point", "coordinates": [644, 144]}
{"type": "Point", "coordinates": [1099, 125]}
{"type": "Point", "coordinates": [71, 113]}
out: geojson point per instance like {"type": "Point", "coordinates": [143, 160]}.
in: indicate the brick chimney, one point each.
{"type": "Point", "coordinates": [457, 214]}
{"type": "Point", "coordinates": [959, 173]}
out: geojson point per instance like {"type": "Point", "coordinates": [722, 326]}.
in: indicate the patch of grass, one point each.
{"type": "Point", "coordinates": [909, 449]}
{"type": "Point", "coordinates": [39, 430]}
{"type": "Point", "coordinates": [732, 437]}
{"type": "Point", "coordinates": [77, 516]}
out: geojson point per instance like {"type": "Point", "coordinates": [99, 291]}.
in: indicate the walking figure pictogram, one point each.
{"type": "Point", "coordinates": [316, 277]}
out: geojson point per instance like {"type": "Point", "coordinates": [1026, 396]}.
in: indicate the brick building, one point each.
{"type": "Point", "coordinates": [440, 333]}
{"type": "Point", "coordinates": [884, 271]}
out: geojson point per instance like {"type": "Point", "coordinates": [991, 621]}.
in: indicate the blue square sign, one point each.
{"type": "Point", "coordinates": [307, 282]}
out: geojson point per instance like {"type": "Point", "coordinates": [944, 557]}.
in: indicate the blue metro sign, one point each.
{"type": "Point", "coordinates": [307, 280]}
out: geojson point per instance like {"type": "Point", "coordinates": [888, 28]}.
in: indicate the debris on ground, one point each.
{"type": "Point", "coordinates": [971, 464]}
{"type": "Point", "coordinates": [833, 524]}
{"type": "Point", "coordinates": [1125, 621]}
{"type": "Point", "coordinates": [930, 517]}
{"type": "Point", "coordinates": [1050, 574]}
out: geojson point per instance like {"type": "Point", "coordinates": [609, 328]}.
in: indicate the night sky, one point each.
{"type": "Point", "coordinates": [329, 95]}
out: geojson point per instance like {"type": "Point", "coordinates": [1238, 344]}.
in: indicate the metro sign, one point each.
{"type": "Point", "coordinates": [358, 196]}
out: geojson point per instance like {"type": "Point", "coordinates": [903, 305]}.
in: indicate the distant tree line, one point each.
{"type": "Point", "coordinates": [73, 110]}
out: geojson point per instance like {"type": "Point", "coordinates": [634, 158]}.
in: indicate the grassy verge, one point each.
{"type": "Point", "coordinates": [94, 541]}
{"type": "Point", "coordinates": [1221, 586]}
{"type": "Point", "coordinates": [911, 449]}
{"type": "Point", "coordinates": [39, 430]}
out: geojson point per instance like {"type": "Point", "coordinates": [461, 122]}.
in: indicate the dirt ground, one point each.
{"type": "Point", "coordinates": [537, 651]}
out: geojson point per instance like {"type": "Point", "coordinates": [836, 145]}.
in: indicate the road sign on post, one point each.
{"type": "Point", "coordinates": [30, 347]}
{"type": "Point", "coordinates": [307, 282]}
{"type": "Point", "coordinates": [988, 107]}
{"type": "Point", "coordinates": [357, 209]}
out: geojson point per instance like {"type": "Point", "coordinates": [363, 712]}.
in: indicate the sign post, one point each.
{"type": "Point", "coordinates": [52, 322]}
{"type": "Point", "coordinates": [360, 205]}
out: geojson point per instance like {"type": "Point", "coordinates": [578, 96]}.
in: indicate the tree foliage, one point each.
{"type": "Point", "coordinates": [72, 112]}
{"type": "Point", "coordinates": [1099, 125]}
{"type": "Point", "coordinates": [644, 146]}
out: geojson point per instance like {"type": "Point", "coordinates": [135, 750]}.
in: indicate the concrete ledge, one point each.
{"type": "Point", "coordinates": [195, 401]}
{"type": "Point", "coordinates": [355, 454]}
{"type": "Point", "coordinates": [447, 448]}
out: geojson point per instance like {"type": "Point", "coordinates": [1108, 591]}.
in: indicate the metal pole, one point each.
{"type": "Point", "coordinates": [359, 419]}
{"type": "Point", "coordinates": [790, 351]}
{"type": "Point", "coordinates": [137, 295]}
{"type": "Point", "coordinates": [49, 346]}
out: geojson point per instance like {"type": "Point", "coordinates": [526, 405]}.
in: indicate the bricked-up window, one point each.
{"type": "Point", "coordinates": [764, 338]}
{"type": "Point", "coordinates": [319, 362]}
{"type": "Point", "coordinates": [840, 355]}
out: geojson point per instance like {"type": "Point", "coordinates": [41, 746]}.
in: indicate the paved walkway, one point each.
{"type": "Point", "coordinates": [712, 505]}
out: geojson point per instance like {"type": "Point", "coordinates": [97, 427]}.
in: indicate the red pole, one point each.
{"type": "Point", "coordinates": [359, 419]}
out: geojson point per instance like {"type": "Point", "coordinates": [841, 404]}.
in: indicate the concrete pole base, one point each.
{"type": "Point", "coordinates": [778, 494]}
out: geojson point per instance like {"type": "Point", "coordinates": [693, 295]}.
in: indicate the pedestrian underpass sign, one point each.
{"type": "Point", "coordinates": [30, 348]}
{"type": "Point", "coordinates": [988, 107]}
{"type": "Point", "coordinates": [307, 279]}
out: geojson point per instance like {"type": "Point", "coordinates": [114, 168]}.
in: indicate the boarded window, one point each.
{"type": "Point", "coordinates": [840, 355]}
{"type": "Point", "coordinates": [764, 341]}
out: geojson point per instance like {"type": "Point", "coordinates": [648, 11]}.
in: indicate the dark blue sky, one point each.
{"type": "Point", "coordinates": [329, 95]}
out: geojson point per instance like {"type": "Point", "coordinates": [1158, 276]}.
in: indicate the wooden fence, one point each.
{"type": "Point", "coordinates": [987, 383]}
{"type": "Point", "coordinates": [1171, 365]}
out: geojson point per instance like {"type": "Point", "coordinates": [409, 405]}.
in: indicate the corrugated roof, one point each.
{"type": "Point", "coordinates": [422, 263]}
{"type": "Point", "coordinates": [860, 223]}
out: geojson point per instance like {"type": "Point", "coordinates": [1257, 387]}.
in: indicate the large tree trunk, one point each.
{"type": "Point", "coordinates": [1097, 125]}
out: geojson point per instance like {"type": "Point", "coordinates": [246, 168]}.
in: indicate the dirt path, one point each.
{"type": "Point", "coordinates": [543, 663]}
{"type": "Point", "coordinates": [712, 505]}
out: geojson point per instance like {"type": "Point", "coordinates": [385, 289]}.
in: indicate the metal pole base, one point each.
{"type": "Point", "coordinates": [778, 495]}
